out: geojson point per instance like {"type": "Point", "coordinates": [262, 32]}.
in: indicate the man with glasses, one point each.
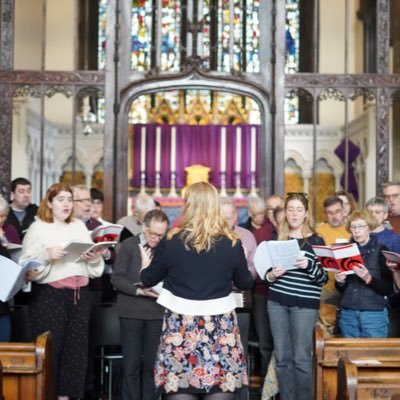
{"type": "Point", "coordinates": [140, 315]}
{"type": "Point", "coordinates": [333, 231]}
{"type": "Point", "coordinates": [83, 206]}
{"type": "Point", "coordinates": [391, 193]}
{"type": "Point", "coordinates": [379, 208]}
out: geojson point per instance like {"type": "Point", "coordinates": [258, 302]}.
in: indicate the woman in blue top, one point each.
{"type": "Point", "coordinates": [199, 263]}
{"type": "Point", "coordinates": [293, 302]}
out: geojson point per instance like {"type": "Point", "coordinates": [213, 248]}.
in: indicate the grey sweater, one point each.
{"type": "Point", "coordinates": [126, 273]}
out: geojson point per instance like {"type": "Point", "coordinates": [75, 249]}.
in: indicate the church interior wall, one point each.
{"type": "Point", "coordinates": [60, 55]}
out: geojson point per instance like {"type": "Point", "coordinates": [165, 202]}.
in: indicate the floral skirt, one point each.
{"type": "Point", "coordinates": [200, 354]}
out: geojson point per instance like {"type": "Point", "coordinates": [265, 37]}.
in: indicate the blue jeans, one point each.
{"type": "Point", "coordinates": [293, 333]}
{"type": "Point", "coordinates": [363, 324]}
{"type": "Point", "coordinates": [140, 339]}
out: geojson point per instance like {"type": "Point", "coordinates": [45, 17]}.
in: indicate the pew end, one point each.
{"type": "Point", "coordinates": [27, 369]}
{"type": "Point", "coordinates": [328, 351]}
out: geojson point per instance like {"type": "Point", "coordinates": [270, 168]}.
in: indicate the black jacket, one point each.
{"type": "Point", "coordinates": [4, 309]}
{"type": "Point", "coordinates": [357, 295]}
{"type": "Point", "coordinates": [31, 211]}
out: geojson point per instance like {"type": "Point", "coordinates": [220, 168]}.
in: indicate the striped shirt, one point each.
{"type": "Point", "coordinates": [301, 287]}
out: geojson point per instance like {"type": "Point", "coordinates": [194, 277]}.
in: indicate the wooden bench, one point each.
{"type": "Point", "coordinates": [27, 369]}
{"type": "Point", "coordinates": [367, 381]}
{"type": "Point", "coordinates": [1, 382]}
{"type": "Point", "coordinates": [328, 350]}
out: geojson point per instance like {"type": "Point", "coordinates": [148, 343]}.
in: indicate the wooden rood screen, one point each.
{"type": "Point", "coordinates": [27, 369]}
{"type": "Point", "coordinates": [368, 352]}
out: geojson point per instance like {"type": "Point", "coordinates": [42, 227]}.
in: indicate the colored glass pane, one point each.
{"type": "Point", "coordinates": [170, 35]}
{"type": "Point", "coordinates": [101, 44]}
{"type": "Point", "coordinates": [141, 35]}
{"type": "Point", "coordinates": [292, 39]}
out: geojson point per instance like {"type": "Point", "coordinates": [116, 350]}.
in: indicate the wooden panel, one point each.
{"type": "Point", "coordinates": [328, 350]}
{"type": "Point", "coordinates": [27, 369]}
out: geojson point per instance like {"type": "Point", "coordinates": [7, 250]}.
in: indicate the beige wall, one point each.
{"type": "Point", "coordinates": [332, 53]}
{"type": "Point", "coordinates": [59, 49]}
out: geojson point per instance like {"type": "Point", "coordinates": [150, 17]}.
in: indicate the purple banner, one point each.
{"type": "Point", "coordinates": [195, 144]}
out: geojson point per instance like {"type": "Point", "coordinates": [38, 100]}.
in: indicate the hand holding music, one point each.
{"type": "Point", "coordinates": [147, 292]}
{"type": "Point", "coordinates": [55, 253]}
{"type": "Point", "coordinates": [340, 277]}
{"type": "Point", "coordinates": [301, 262]}
{"type": "Point", "coordinates": [362, 272]}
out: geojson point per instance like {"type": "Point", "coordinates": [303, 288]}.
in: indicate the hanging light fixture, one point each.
{"type": "Point", "coordinates": [87, 116]}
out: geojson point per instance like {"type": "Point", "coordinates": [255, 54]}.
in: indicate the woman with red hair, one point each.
{"type": "Point", "coordinates": [60, 300]}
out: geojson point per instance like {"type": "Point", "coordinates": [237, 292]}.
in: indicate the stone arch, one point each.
{"type": "Point", "coordinates": [196, 79]}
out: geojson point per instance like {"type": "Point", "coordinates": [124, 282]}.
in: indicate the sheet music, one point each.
{"type": "Point", "coordinates": [282, 253]}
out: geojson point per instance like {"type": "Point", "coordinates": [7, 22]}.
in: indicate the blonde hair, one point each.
{"type": "Point", "coordinates": [202, 222]}
{"type": "Point", "coordinates": [307, 228]}
{"type": "Point", "coordinates": [364, 215]}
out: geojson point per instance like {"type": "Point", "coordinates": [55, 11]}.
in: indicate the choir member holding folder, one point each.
{"type": "Point", "coordinates": [60, 300]}
{"type": "Point", "coordinates": [8, 236]}
{"type": "Point", "coordinates": [364, 299]}
{"type": "Point", "coordinates": [293, 302]}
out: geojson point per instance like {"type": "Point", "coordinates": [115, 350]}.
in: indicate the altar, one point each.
{"type": "Point", "coordinates": [161, 154]}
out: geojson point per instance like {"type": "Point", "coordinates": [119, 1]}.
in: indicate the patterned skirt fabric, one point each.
{"type": "Point", "coordinates": [200, 354]}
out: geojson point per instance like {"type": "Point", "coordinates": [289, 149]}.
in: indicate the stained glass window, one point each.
{"type": "Point", "coordinates": [101, 46]}
{"type": "Point", "coordinates": [292, 36]}
{"type": "Point", "coordinates": [170, 32]}
{"type": "Point", "coordinates": [141, 35]}
{"type": "Point", "coordinates": [292, 56]}
{"type": "Point", "coordinates": [238, 36]}
{"type": "Point", "coordinates": [253, 37]}
{"type": "Point", "coordinates": [237, 31]}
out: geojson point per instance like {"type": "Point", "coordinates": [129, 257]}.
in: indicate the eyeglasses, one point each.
{"type": "Point", "coordinates": [83, 200]}
{"type": "Point", "coordinates": [155, 235]}
{"type": "Point", "coordinates": [376, 211]}
{"type": "Point", "coordinates": [97, 202]}
{"type": "Point", "coordinates": [358, 227]}
{"type": "Point", "coordinates": [393, 196]}
{"type": "Point", "coordinates": [293, 194]}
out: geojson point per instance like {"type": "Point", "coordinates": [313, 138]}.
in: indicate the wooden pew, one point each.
{"type": "Point", "coordinates": [1, 382]}
{"type": "Point", "coordinates": [27, 369]}
{"type": "Point", "coordinates": [328, 350]}
{"type": "Point", "coordinates": [367, 381]}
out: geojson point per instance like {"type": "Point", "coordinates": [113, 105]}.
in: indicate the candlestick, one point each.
{"type": "Point", "coordinates": [223, 149]}
{"type": "Point", "coordinates": [253, 150]}
{"type": "Point", "coordinates": [158, 149]}
{"type": "Point", "coordinates": [238, 149]}
{"type": "Point", "coordinates": [173, 149]}
{"type": "Point", "coordinates": [143, 149]}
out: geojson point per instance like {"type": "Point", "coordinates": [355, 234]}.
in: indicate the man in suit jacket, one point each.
{"type": "Point", "coordinates": [140, 315]}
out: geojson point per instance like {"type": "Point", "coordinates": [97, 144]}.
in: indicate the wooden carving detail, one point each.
{"type": "Point", "coordinates": [6, 34]}
{"type": "Point", "coordinates": [49, 78]}
{"type": "Point", "coordinates": [382, 139]}
{"type": "Point", "coordinates": [383, 34]}
{"type": "Point", "coordinates": [5, 135]}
